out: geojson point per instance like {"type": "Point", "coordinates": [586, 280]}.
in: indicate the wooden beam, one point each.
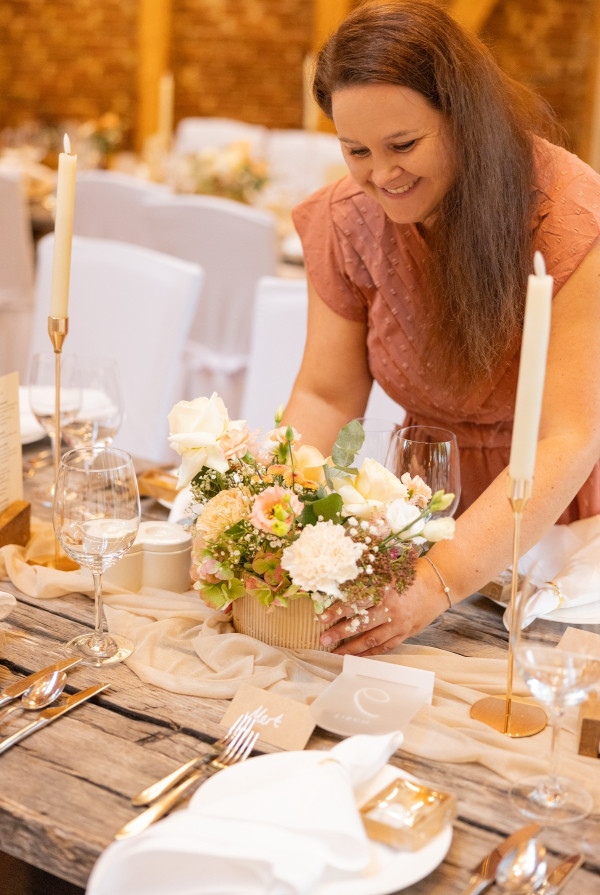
{"type": "Point", "coordinates": [327, 16]}
{"type": "Point", "coordinates": [154, 44]}
{"type": "Point", "coordinates": [472, 14]}
{"type": "Point", "coordinates": [591, 148]}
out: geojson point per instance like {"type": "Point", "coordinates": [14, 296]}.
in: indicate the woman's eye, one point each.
{"type": "Point", "coordinates": [404, 147]}
{"type": "Point", "coordinates": [359, 152]}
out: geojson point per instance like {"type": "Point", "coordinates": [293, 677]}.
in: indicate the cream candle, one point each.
{"type": "Point", "coordinates": [63, 232]}
{"type": "Point", "coordinates": [532, 371]}
{"type": "Point", "coordinates": [165, 109]}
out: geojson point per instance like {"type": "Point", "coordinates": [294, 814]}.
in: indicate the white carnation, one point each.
{"type": "Point", "coordinates": [322, 558]}
{"type": "Point", "coordinates": [399, 514]}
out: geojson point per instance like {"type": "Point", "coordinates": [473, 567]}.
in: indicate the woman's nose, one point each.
{"type": "Point", "coordinates": [384, 170]}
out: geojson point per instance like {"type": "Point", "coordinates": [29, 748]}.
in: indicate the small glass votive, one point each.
{"type": "Point", "coordinates": [406, 814]}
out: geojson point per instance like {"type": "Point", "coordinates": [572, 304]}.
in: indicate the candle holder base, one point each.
{"type": "Point", "coordinates": [520, 720]}
{"type": "Point", "coordinates": [51, 561]}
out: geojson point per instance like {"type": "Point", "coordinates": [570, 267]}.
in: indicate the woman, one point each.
{"type": "Point", "coordinates": [417, 267]}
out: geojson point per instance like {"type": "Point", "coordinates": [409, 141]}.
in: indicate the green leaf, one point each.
{"type": "Point", "coordinates": [329, 508]}
{"type": "Point", "coordinates": [349, 441]}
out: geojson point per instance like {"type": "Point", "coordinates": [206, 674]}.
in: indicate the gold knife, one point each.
{"type": "Point", "coordinates": [484, 875]}
{"type": "Point", "coordinates": [19, 687]}
{"type": "Point", "coordinates": [51, 714]}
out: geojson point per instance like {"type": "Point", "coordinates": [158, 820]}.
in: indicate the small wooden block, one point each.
{"type": "Point", "coordinates": [158, 483]}
{"type": "Point", "coordinates": [15, 524]}
{"type": "Point", "coordinates": [589, 727]}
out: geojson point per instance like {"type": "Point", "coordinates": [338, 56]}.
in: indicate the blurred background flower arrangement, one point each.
{"type": "Point", "coordinates": [231, 173]}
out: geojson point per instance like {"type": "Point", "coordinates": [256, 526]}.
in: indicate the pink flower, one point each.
{"type": "Point", "coordinates": [208, 571]}
{"type": "Point", "coordinates": [234, 443]}
{"type": "Point", "coordinates": [274, 509]}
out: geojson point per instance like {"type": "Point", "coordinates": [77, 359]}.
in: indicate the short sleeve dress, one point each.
{"type": "Point", "coordinates": [368, 268]}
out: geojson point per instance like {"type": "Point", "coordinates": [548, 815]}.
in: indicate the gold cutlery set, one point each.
{"type": "Point", "coordinates": [235, 746]}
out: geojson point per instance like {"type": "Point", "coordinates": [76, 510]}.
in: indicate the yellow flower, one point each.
{"type": "Point", "coordinates": [222, 511]}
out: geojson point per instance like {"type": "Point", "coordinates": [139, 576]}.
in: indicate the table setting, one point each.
{"type": "Point", "coordinates": [184, 659]}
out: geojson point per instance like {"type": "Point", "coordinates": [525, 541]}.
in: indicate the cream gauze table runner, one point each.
{"type": "Point", "coordinates": [184, 647]}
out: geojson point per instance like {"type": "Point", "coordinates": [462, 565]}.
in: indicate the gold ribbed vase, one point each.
{"type": "Point", "coordinates": [294, 626]}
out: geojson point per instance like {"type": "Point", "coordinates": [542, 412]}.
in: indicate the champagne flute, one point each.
{"type": "Point", "coordinates": [101, 412]}
{"type": "Point", "coordinates": [431, 453]}
{"type": "Point", "coordinates": [559, 677]}
{"type": "Point", "coordinates": [96, 519]}
{"type": "Point", "coordinates": [42, 400]}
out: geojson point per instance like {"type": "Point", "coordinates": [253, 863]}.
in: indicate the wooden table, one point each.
{"type": "Point", "coordinates": [65, 790]}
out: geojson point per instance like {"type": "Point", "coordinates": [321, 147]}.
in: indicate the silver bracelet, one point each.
{"type": "Point", "coordinates": [445, 587]}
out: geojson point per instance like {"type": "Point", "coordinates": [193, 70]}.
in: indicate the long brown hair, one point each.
{"type": "Point", "coordinates": [481, 240]}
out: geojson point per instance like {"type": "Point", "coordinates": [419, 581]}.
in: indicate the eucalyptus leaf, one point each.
{"type": "Point", "coordinates": [349, 441]}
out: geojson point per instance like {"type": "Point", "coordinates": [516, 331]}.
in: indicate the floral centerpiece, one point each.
{"type": "Point", "coordinates": [231, 172]}
{"type": "Point", "coordinates": [279, 522]}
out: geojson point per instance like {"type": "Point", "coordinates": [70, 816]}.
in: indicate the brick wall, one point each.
{"type": "Point", "coordinates": [77, 59]}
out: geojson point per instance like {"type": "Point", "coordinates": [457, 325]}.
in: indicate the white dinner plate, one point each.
{"type": "Point", "coordinates": [389, 869]}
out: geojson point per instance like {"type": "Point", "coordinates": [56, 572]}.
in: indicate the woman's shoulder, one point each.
{"type": "Point", "coordinates": [568, 217]}
{"type": "Point", "coordinates": [343, 203]}
{"type": "Point", "coordinates": [559, 174]}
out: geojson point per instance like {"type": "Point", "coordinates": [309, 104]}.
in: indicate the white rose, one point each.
{"type": "Point", "coordinates": [196, 427]}
{"type": "Point", "coordinates": [439, 529]}
{"type": "Point", "coordinates": [374, 487]}
{"type": "Point", "coordinates": [399, 514]}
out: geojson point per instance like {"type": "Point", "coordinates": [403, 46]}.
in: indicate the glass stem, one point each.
{"type": "Point", "coordinates": [555, 719]}
{"type": "Point", "coordinates": [98, 617]}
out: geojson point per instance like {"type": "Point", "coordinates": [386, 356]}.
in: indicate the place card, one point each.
{"type": "Point", "coordinates": [280, 721]}
{"type": "Point", "coordinates": [11, 461]}
{"type": "Point", "coordinates": [371, 696]}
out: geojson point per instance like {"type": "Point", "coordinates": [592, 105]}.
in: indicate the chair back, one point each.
{"type": "Point", "coordinates": [110, 205]}
{"type": "Point", "coordinates": [281, 307]}
{"type": "Point", "coordinates": [16, 274]}
{"type": "Point", "coordinates": [197, 134]}
{"type": "Point", "coordinates": [301, 162]}
{"type": "Point", "coordinates": [235, 245]}
{"type": "Point", "coordinates": [135, 305]}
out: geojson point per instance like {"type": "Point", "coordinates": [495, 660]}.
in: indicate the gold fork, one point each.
{"type": "Point", "coordinates": [152, 792]}
{"type": "Point", "coordinates": [238, 750]}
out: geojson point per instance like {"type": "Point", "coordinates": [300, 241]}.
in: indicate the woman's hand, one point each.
{"type": "Point", "coordinates": [380, 629]}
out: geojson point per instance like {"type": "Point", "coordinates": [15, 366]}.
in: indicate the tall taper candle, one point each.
{"type": "Point", "coordinates": [63, 232]}
{"type": "Point", "coordinates": [532, 372]}
{"type": "Point", "coordinates": [166, 91]}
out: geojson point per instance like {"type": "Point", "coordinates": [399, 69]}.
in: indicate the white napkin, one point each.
{"type": "Point", "coordinates": [269, 826]}
{"type": "Point", "coordinates": [564, 567]}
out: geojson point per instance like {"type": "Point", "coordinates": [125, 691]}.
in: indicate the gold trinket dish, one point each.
{"type": "Point", "coordinates": [406, 814]}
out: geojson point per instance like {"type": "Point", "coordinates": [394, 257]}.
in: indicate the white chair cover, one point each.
{"type": "Point", "coordinates": [280, 306]}
{"type": "Point", "coordinates": [235, 245]}
{"type": "Point", "coordinates": [198, 134]}
{"type": "Point", "coordinates": [16, 274]}
{"type": "Point", "coordinates": [135, 305]}
{"type": "Point", "coordinates": [110, 205]}
{"type": "Point", "coordinates": [301, 162]}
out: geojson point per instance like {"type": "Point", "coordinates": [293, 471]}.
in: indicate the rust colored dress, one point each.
{"type": "Point", "coordinates": [368, 268]}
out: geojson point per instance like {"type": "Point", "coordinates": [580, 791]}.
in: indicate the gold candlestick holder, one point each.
{"type": "Point", "coordinates": [512, 717]}
{"type": "Point", "coordinates": [58, 327]}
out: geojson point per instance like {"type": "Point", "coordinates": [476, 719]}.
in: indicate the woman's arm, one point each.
{"type": "Point", "coordinates": [568, 448]}
{"type": "Point", "coordinates": [333, 384]}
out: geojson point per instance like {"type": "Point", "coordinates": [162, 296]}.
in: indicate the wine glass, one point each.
{"type": "Point", "coordinates": [42, 400]}
{"type": "Point", "coordinates": [559, 677]}
{"type": "Point", "coordinates": [431, 453]}
{"type": "Point", "coordinates": [101, 412]}
{"type": "Point", "coordinates": [379, 441]}
{"type": "Point", "coordinates": [96, 519]}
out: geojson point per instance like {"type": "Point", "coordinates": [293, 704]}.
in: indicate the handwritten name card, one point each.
{"type": "Point", "coordinates": [280, 721]}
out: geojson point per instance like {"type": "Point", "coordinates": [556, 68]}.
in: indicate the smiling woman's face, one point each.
{"type": "Point", "coordinates": [395, 146]}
